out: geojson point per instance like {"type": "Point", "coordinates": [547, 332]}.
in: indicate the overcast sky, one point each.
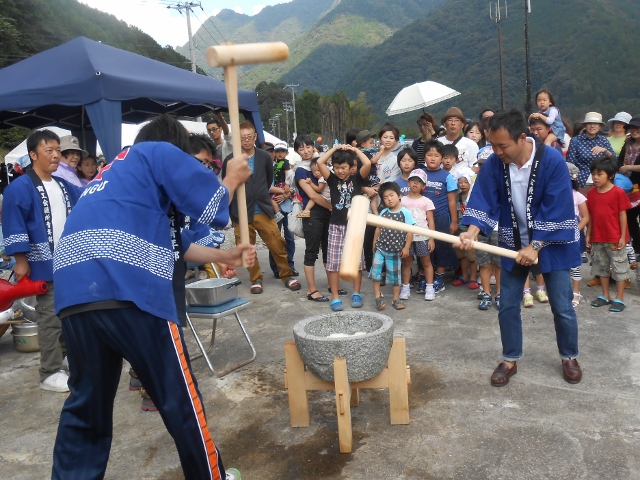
{"type": "Point", "coordinates": [168, 26]}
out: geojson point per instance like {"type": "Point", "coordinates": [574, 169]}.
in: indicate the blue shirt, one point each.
{"type": "Point", "coordinates": [252, 165]}
{"type": "Point", "coordinates": [580, 155]}
{"type": "Point", "coordinates": [403, 184]}
{"type": "Point", "coordinates": [439, 183]}
{"type": "Point", "coordinates": [117, 242]}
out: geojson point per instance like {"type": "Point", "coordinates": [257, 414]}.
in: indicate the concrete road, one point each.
{"type": "Point", "coordinates": [537, 427]}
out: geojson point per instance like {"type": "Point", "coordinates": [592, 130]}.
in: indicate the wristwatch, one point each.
{"type": "Point", "coordinates": [537, 245]}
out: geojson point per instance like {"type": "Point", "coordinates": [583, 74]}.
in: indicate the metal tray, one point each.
{"type": "Point", "coordinates": [212, 291]}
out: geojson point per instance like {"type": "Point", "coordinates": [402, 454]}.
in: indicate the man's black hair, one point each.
{"type": "Point", "coordinates": [38, 136]}
{"type": "Point", "coordinates": [389, 186]}
{"type": "Point", "coordinates": [535, 120]}
{"type": "Point", "coordinates": [512, 121]}
{"type": "Point", "coordinates": [165, 128]}
{"type": "Point", "coordinates": [450, 150]}
{"type": "Point", "coordinates": [214, 121]}
{"type": "Point", "coordinates": [340, 157]}
{"type": "Point", "coordinates": [302, 140]}
{"type": "Point", "coordinates": [351, 135]}
{"type": "Point", "coordinates": [199, 142]}
{"type": "Point", "coordinates": [604, 164]}
{"type": "Point", "coordinates": [412, 154]}
{"type": "Point", "coordinates": [435, 144]}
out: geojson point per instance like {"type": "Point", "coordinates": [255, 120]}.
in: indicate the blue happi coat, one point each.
{"type": "Point", "coordinates": [120, 242]}
{"type": "Point", "coordinates": [551, 219]}
{"type": "Point", "coordinates": [24, 227]}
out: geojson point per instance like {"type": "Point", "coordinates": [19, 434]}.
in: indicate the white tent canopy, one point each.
{"type": "Point", "coordinates": [129, 133]}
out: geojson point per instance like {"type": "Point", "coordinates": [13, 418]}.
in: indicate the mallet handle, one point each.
{"type": "Point", "coordinates": [444, 237]}
{"type": "Point", "coordinates": [231, 84]}
{"type": "Point", "coordinates": [247, 54]}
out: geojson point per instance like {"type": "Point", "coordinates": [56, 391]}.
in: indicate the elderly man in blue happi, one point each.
{"type": "Point", "coordinates": [525, 189]}
{"type": "Point", "coordinates": [34, 213]}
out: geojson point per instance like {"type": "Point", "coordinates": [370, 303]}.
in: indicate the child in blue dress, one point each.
{"type": "Point", "coordinates": [549, 113]}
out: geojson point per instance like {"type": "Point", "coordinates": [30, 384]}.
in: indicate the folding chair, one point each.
{"type": "Point", "coordinates": [214, 313]}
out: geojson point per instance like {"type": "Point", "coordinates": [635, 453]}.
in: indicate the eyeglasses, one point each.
{"type": "Point", "coordinates": [214, 129]}
{"type": "Point", "coordinates": [246, 138]}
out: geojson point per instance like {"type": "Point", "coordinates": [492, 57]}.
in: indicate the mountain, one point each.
{"type": "Point", "coordinates": [581, 50]}
{"type": "Point", "coordinates": [31, 26]}
{"type": "Point", "coordinates": [284, 22]}
{"type": "Point", "coordinates": [349, 31]}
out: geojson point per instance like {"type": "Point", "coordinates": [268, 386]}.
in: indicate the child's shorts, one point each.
{"type": "Point", "coordinates": [393, 263]}
{"type": "Point", "coordinates": [604, 258]}
{"type": "Point", "coordinates": [336, 245]}
{"type": "Point", "coordinates": [419, 248]}
{"type": "Point", "coordinates": [486, 258]}
{"type": "Point", "coordinates": [444, 254]}
{"type": "Point", "coordinates": [468, 254]}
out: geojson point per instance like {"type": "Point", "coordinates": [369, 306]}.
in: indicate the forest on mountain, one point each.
{"type": "Point", "coordinates": [31, 26]}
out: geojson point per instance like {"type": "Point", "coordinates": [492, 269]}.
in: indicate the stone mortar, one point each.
{"type": "Point", "coordinates": [366, 355]}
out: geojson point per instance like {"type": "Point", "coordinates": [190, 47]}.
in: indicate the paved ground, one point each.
{"type": "Point", "coordinates": [538, 427]}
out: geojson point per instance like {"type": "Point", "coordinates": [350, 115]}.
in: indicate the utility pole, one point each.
{"type": "Point", "coordinates": [293, 101]}
{"type": "Point", "coordinates": [277, 117]}
{"type": "Point", "coordinates": [527, 11]}
{"type": "Point", "coordinates": [272, 122]}
{"type": "Point", "coordinates": [497, 16]}
{"type": "Point", "coordinates": [287, 109]}
{"type": "Point", "coordinates": [187, 7]}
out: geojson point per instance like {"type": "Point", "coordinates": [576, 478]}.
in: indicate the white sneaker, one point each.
{"type": "Point", "coordinates": [56, 382]}
{"type": "Point", "coordinates": [405, 292]}
{"type": "Point", "coordinates": [65, 364]}
{"type": "Point", "coordinates": [492, 280]}
{"type": "Point", "coordinates": [429, 293]}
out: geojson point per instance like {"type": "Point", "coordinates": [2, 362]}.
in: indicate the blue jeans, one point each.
{"type": "Point", "coordinates": [290, 244]}
{"type": "Point", "coordinates": [560, 293]}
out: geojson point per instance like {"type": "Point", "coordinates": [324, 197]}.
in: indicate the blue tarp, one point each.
{"type": "Point", "coordinates": [91, 88]}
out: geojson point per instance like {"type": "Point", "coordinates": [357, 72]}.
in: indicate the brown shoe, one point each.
{"type": "Point", "coordinates": [571, 371]}
{"type": "Point", "coordinates": [502, 374]}
{"type": "Point", "coordinates": [594, 282]}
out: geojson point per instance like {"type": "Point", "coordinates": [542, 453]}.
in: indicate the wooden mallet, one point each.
{"type": "Point", "coordinates": [228, 56]}
{"type": "Point", "coordinates": [354, 237]}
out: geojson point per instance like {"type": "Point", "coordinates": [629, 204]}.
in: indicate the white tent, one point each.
{"type": "Point", "coordinates": [129, 133]}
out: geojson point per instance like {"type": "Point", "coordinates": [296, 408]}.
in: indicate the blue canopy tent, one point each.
{"type": "Point", "coordinates": [91, 88]}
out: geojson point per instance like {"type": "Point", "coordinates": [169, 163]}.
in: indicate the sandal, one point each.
{"type": "Point", "coordinates": [600, 302]}
{"type": "Point", "coordinates": [356, 300]}
{"type": "Point", "coordinates": [256, 287]}
{"type": "Point", "coordinates": [321, 298]}
{"type": "Point", "coordinates": [473, 285]}
{"type": "Point", "coordinates": [336, 306]}
{"type": "Point", "coordinates": [304, 214]}
{"type": "Point", "coordinates": [380, 303]}
{"type": "Point", "coordinates": [341, 292]}
{"type": "Point", "coordinates": [576, 299]}
{"type": "Point", "coordinates": [617, 306]}
{"type": "Point", "coordinates": [398, 304]}
{"type": "Point", "coordinates": [458, 282]}
{"type": "Point", "coordinates": [292, 284]}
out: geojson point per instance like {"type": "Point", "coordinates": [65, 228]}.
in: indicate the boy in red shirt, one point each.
{"type": "Point", "coordinates": [607, 232]}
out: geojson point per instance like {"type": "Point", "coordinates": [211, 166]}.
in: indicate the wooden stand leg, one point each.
{"type": "Point", "coordinates": [297, 390]}
{"type": "Point", "coordinates": [355, 397]}
{"type": "Point", "coordinates": [343, 401]}
{"type": "Point", "coordinates": [398, 389]}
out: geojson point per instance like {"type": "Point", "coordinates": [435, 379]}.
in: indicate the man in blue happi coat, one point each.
{"type": "Point", "coordinates": [35, 210]}
{"type": "Point", "coordinates": [120, 270]}
{"type": "Point", "coordinates": [525, 189]}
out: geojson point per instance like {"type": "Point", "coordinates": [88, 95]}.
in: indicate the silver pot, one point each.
{"type": "Point", "coordinates": [212, 291]}
{"type": "Point", "coordinates": [28, 307]}
{"type": "Point", "coordinates": [25, 337]}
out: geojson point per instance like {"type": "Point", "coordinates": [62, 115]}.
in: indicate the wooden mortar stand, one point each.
{"type": "Point", "coordinates": [396, 377]}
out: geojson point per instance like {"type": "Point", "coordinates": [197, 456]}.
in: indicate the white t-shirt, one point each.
{"type": "Point", "coordinates": [58, 208]}
{"type": "Point", "coordinates": [519, 184]}
{"type": "Point", "coordinates": [418, 208]}
{"type": "Point", "coordinates": [467, 153]}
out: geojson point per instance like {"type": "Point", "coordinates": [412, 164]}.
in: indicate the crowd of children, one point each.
{"type": "Point", "coordinates": [429, 185]}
